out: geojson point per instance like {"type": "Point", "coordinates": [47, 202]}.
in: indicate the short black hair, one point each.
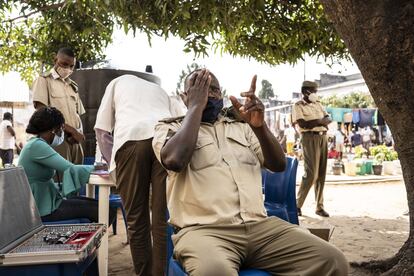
{"type": "Point", "coordinates": [7, 116]}
{"type": "Point", "coordinates": [44, 119]}
{"type": "Point", "coordinates": [66, 51]}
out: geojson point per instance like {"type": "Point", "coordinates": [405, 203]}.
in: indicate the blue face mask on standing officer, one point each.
{"type": "Point", "coordinates": [212, 110]}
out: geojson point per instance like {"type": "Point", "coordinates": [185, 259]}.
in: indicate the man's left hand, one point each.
{"type": "Point", "coordinates": [252, 112]}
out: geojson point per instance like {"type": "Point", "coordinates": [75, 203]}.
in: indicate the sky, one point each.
{"type": "Point", "coordinates": [234, 73]}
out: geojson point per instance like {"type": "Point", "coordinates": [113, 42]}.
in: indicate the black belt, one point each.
{"type": "Point", "coordinates": [316, 132]}
{"type": "Point", "coordinates": [176, 229]}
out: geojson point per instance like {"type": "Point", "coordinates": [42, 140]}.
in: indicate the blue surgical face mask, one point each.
{"type": "Point", "coordinates": [212, 110]}
{"type": "Point", "coordinates": [57, 140]}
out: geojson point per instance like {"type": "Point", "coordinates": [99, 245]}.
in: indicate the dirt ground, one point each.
{"type": "Point", "coordinates": [368, 220]}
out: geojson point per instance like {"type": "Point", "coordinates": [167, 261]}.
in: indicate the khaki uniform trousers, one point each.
{"type": "Point", "coordinates": [72, 153]}
{"type": "Point", "coordinates": [315, 154]}
{"type": "Point", "coordinates": [136, 169]}
{"type": "Point", "coordinates": [271, 244]}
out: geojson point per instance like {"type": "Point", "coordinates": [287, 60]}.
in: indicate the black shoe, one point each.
{"type": "Point", "coordinates": [322, 213]}
{"type": "Point", "coordinates": [299, 212]}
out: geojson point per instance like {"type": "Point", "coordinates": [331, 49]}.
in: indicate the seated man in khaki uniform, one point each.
{"type": "Point", "coordinates": [214, 192]}
{"type": "Point", "coordinates": [56, 89]}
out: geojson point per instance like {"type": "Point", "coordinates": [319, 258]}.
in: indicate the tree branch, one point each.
{"type": "Point", "coordinates": [53, 6]}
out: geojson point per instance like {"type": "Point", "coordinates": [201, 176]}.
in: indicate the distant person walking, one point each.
{"type": "Point", "coordinates": [56, 89]}
{"type": "Point", "coordinates": [366, 138]}
{"type": "Point", "coordinates": [7, 139]}
{"type": "Point", "coordinates": [340, 142]}
{"type": "Point", "coordinates": [313, 122]}
{"type": "Point", "coordinates": [356, 138]}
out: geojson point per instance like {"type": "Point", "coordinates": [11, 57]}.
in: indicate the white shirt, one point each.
{"type": "Point", "coordinates": [7, 141]}
{"type": "Point", "coordinates": [130, 108]}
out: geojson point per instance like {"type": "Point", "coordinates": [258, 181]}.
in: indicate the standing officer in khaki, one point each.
{"type": "Point", "coordinates": [56, 89]}
{"type": "Point", "coordinates": [214, 191]}
{"type": "Point", "coordinates": [313, 122]}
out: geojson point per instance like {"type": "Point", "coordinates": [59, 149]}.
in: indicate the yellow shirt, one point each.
{"type": "Point", "coordinates": [308, 112]}
{"type": "Point", "coordinates": [51, 90]}
{"type": "Point", "coordinates": [222, 182]}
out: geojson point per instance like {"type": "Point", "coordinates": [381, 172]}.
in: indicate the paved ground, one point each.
{"type": "Point", "coordinates": [368, 220]}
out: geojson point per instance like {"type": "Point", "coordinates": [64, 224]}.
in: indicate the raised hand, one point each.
{"type": "Point", "coordinates": [252, 111]}
{"type": "Point", "coordinates": [197, 93]}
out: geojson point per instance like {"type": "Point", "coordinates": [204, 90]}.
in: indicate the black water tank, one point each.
{"type": "Point", "coordinates": [92, 84]}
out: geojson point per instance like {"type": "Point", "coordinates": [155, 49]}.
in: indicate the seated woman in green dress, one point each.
{"type": "Point", "coordinates": [40, 162]}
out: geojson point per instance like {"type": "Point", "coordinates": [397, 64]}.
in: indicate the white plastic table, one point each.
{"type": "Point", "coordinates": [104, 183]}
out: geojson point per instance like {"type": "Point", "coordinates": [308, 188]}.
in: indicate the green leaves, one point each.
{"type": "Point", "coordinates": [353, 100]}
{"type": "Point", "coordinates": [269, 31]}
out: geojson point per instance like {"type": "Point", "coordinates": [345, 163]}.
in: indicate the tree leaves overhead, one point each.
{"type": "Point", "coordinates": [269, 31]}
{"type": "Point", "coordinates": [32, 31]}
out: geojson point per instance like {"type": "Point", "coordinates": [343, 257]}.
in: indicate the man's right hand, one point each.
{"type": "Point", "coordinates": [197, 93]}
{"type": "Point", "coordinates": [78, 137]}
{"type": "Point", "coordinates": [73, 136]}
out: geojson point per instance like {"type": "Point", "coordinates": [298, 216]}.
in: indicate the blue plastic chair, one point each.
{"type": "Point", "coordinates": [280, 192]}
{"type": "Point", "coordinates": [115, 201]}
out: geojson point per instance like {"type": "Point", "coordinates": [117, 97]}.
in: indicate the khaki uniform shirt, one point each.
{"type": "Point", "coordinates": [222, 182]}
{"type": "Point", "coordinates": [308, 112]}
{"type": "Point", "coordinates": [51, 90]}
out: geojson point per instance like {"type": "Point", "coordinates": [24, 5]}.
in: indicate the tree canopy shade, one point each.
{"type": "Point", "coordinates": [269, 31]}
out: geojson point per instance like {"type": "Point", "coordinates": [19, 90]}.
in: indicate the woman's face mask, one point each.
{"type": "Point", "coordinates": [58, 139]}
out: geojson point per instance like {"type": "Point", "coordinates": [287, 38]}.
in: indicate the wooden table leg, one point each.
{"type": "Point", "coordinates": [90, 191]}
{"type": "Point", "coordinates": [103, 218]}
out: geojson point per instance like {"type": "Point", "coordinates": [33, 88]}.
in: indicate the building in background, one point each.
{"type": "Point", "coordinates": [341, 85]}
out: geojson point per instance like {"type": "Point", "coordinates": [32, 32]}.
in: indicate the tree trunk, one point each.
{"type": "Point", "coordinates": [380, 38]}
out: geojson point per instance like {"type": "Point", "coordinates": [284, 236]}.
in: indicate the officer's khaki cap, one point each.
{"type": "Point", "coordinates": [310, 84]}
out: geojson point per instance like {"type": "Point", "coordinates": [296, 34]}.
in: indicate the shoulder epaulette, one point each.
{"type": "Point", "coordinates": [172, 119]}
{"type": "Point", "coordinates": [74, 85]}
{"type": "Point", "coordinates": [47, 74]}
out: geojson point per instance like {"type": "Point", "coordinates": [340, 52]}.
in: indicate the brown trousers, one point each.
{"type": "Point", "coordinates": [136, 168]}
{"type": "Point", "coordinates": [271, 244]}
{"type": "Point", "coordinates": [72, 153]}
{"type": "Point", "coordinates": [315, 153]}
